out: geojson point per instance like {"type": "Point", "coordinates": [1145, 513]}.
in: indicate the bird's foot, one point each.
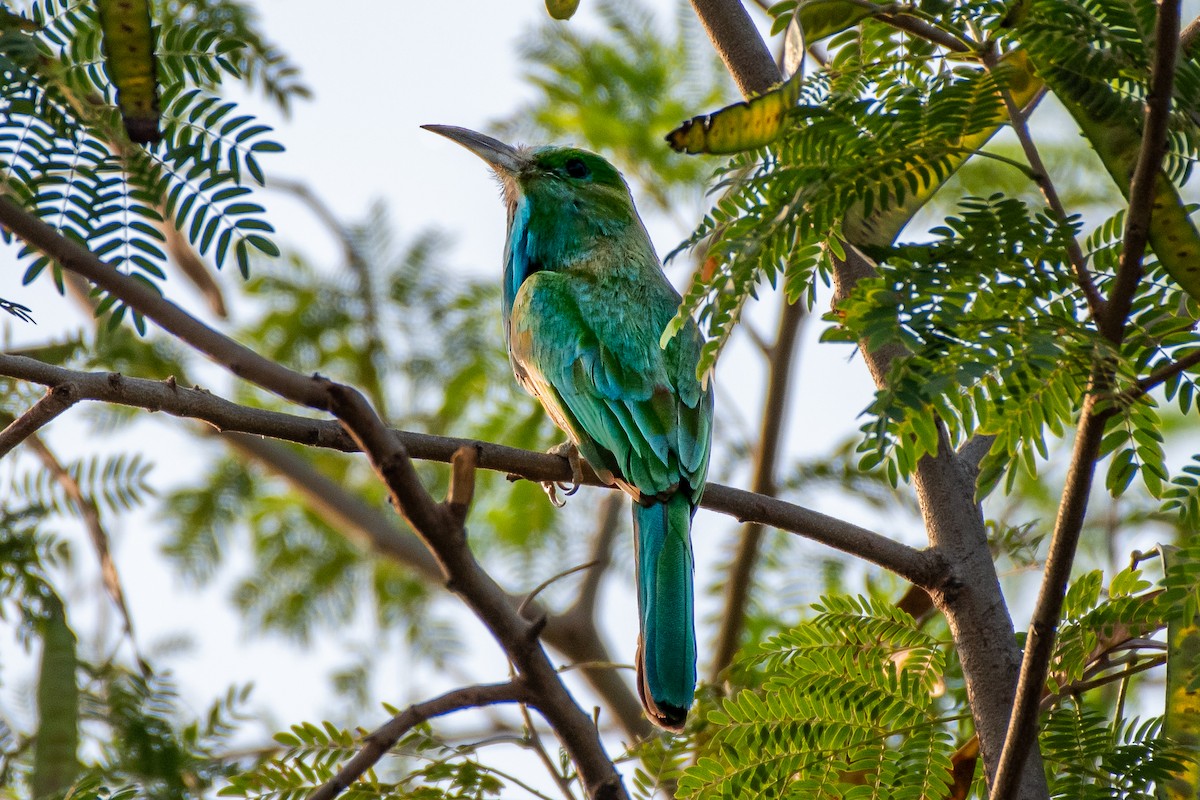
{"type": "Point", "coordinates": [570, 452]}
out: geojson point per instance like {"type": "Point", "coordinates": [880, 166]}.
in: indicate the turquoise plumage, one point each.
{"type": "Point", "coordinates": [585, 305]}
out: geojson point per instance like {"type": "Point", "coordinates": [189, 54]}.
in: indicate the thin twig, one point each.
{"type": "Point", "coordinates": [1018, 119]}
{"type": "Point", "coordinates": [1095, 683]}
{"type": "Point", "coordinates": [901, 18]}
{"type": "Point", "coordinates": [1159, 377]}
{"type": "Point", "coordinates": [382, 739]}
{"type": "Point", "coordinates": [90, 514]}
{"type": "Point", "coordinates": [56, 400]}
{"type": "Point", "coordinates": [553, 579]}
{"type": "Point", "coordinates": [740, 576]}
{"type": "Point", "coordinates": [535, 740]}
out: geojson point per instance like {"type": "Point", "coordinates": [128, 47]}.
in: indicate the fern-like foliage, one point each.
{"type": "Point", "coordinates": [986, 311]}
{"type": "Point", "coordinates": [429, 769]}
{"type": "Point", "coordinates": [117, 483]}
{"type": "Point", "coordinates": [1097, 53]}
{"type": "Point", "coordinates": [68, 160]}
{"type": "Point", "coordinates": [849, 699]}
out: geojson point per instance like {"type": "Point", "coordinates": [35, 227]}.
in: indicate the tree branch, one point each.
{"type": "Point", "coordinates": [377, 744]}
{"type": "Point", "coordinates": [1039, 644]}
{"type": "Point", "coordinates": [739, 44]}
{"type": "Point", "coordinates": [1161, 376]}
{"type": "Point", "coordinates": [1039, 641]}
{"type": "Point", "coordinates": [56, 400]}
{"type": "Point", "coordinates": [571, 633]}
{"type": "Point", "coordinates": [1018, 120]}
{"type": "Point", "coordinates": [434, 522]}
{"type": "Point", "coordinates": [737, 586]}
{"type": "Point", "coordinates": [901, 19]}
{"type": "Point", "coordinates": [924, 568]}
{"type": "Point", "coordinates": [969, 596]}
{"type": "Point", "coordinates": [1147, 172]}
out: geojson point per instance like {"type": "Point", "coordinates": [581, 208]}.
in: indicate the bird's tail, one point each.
{"type": "Point", "coordinates": [666, 661]}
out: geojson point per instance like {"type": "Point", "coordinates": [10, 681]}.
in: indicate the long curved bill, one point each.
{"type": "Point", "coordinates": [503, 158]}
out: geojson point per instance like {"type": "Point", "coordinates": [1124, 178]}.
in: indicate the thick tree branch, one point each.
{"type": "Point", "coordinates": [970, 597]}
{"type": "Point", "coordinates": [921, 567]}
{"type": "Point", "coordinates": [434, 522]}
{"type": "Point", "coordinates": [56, 400]}
{"type": "Point", "coordinates": [737, 586]}
{"type": "Point", "coordinates": [1039, 645]}
{"type": "Point", "coordinates": [739, 44]}
{"type": "Point", "coordinates": [377, 744]}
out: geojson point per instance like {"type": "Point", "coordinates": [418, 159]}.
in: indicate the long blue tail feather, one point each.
{"type": "Point", "coordinates": [667, 646]}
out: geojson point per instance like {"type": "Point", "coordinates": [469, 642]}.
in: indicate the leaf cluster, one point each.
{"type": "Point", "coordinates": [68, 159]}
{"type": "Point", "coordinates": [427, 768]}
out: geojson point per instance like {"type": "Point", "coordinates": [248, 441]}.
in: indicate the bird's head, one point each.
{"type": "Point", "coordinates": [573, 190]}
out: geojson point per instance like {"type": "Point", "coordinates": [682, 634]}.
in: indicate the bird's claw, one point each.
{"type": "Point", "coordinates": [570, 452]}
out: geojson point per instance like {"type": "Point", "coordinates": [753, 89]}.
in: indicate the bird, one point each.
{"type": "Point", "coordinates": [585, 305]}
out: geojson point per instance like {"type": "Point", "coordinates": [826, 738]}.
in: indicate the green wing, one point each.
{"type": "Point", "coordinates": [634, 409]}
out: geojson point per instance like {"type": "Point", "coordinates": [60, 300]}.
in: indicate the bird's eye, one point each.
{"type": "Point", "coordinates": [576, 168]}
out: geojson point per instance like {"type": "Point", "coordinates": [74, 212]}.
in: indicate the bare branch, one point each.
{"type": "Point", "coordinates": [1162, 375]}
{"type": "Point", "coordinates": [739, 44]}
{"type": "Point", "coordinates": [921, 567]}
{"type": "Point", "coordinates": [1147, 172]}
{"type": "Point", "coordinates": [462, 481]}
{"type": "Point", "coordinates": [90, 514]}
{"type": "Point", "coordinates": [56, 400]}
{"type": "Point", "coordinates": [739, 580]}
{"type": "Point", "coordinates": [1018, 119]}
{"type": "Point", "coordinates": [377, 744]}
